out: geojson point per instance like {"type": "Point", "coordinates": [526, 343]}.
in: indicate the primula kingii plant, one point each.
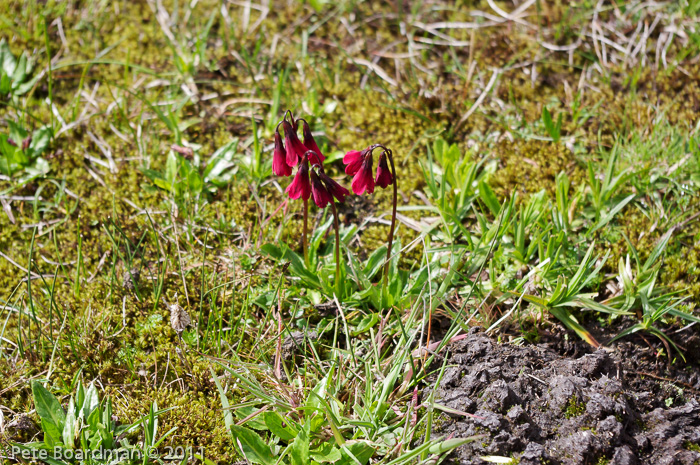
{"type": "Point", "coordinates": [359, 165]}
{"type": "Point", "coordinates": [310, 179]}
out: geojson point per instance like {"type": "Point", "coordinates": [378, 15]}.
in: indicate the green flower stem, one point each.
{"type": "Point", "coordinates": [390, 241]}
{"type": "Point", "coordinates": [337, 250]}
{"type": "Point", "coordinates": [304, 238]}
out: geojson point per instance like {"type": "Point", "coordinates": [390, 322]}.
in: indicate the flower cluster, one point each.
{"type": "Point", "coordinates": [359, 165]}
{"type": "Point", "coordinates": [310, 180]}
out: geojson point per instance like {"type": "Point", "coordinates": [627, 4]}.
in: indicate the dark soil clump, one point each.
{"type": "Point", "coordinates": [537, 406]}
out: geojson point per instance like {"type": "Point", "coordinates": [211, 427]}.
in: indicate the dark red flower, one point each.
{"type": "Point", "coordinates": [295, 149]}
{"type": "Point", "coordinates": [338, 191]}
{"type": "Point", "coordinates": [309, 141]}
{"type": "Point", "coordinates": [321, 195]}
{"type": "Point", "coordinates": [300, 186]}
{"type": "Point", "coordinates": [279, 158]}
{"type": "Point", "coordinates": [384, 177]}
{"type": "Point", "coordinates": [363, 180]}
{"type": "Point", "coordinates": [353, 160]}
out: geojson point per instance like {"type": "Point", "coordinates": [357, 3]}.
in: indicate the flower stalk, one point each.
{"type": "Point", "coordinates": [338, 283]}
{"type": "Point", "coordinates": [390, 241]}
{"type": "Point", "coordinates": [359, 164]}
{"type": "Point", "coordinates": [304, 232]}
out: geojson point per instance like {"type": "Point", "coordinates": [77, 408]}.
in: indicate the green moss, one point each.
{"type": "Point", "coordinates": [574, 408]}
{"type": "Point", "coordinates": [528, 166]}
{"type": "Point", "coordinates": [691, 446]}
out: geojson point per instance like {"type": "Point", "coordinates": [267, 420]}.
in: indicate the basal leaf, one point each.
{"type": "Point", "coordinates": [254, 448]}
{"type": "Point", "coordinates": [47, 406]}
{"type": "Point", "coordinates": [279, 426]}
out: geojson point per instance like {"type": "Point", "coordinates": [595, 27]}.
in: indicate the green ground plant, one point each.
{"type": "Point", "coordinates": [86, 431]}
{"type": "Point", "coordinates": [531, 181]}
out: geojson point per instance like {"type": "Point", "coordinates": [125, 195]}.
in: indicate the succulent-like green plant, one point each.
{"type": "Point", "coordinates": [15, 74]}
{"type": "Point", "coordinates": [20, 151]}
{"type": "Point", "coordinates": [86, 430]}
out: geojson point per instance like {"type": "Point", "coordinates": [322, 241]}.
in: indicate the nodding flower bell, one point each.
{"type": "Point", "coordinates": [279, 158]}
{"type": "Point", "coordinates": [359, 165]}
{"type": "Point", "coordinates": [309, 141]}
{"type": "Point", "coordinates": [353, 160]}
{"type": "Point", "coordinates": [364, 180]}
{"type": "Point", "coordinates": [295, 149]}
{"type": "Point", "coordinates": [384, 177]}
{"type": "Point", "coordinates": [300, 186]}
{"type": "Point", "coordinates": [335, 189]}
{"type": "Point", "coordinates": [320, 194]}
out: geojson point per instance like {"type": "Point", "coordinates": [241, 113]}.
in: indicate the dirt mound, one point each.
{"type": "Point", "coordinates": [537, 406]}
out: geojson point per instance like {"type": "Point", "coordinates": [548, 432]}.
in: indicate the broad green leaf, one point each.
{"type": "Point", "coordinates": [91, 401]}
{"type": "Point", "coordinates": [220, 162]}
{"type": "Point", "coordinates": [257, 422]}
{"type": "Point", "coordinates": [367, 322]}
{"type": "Point", "coordinates": [300, 447]}
{"type": "Point", "coordinates": [52, 434]}
{"type": "Point", "coordinates": [279, 426]}
{"type": "Point", "coordinates": [375, 262]}
{"type": "Point", "coordinates": [163, 184]}
{"type": "Point", "coordinates": [5, 84]}
{"type": "Point", "coordinates": [318, 395]}
{"type": "Point", "coordinates": [195, 182]}
{"type": "Point", "coordinates": [547, 121]}
{"type": "Point", "coordinates": [326, 453]}
{"type": "Point", "coordinates": [69, 426]}
{"type": "Point", "coordinates": [297, 263]}
{"type": "Point", "coordinates": [254, 448]}
{"type": "Point", "coordinates": [47, 406]}
{"type": "Point", "coordinates": [7, 59]}
{"type": "Point", "coordinates": [489, 198]}
{"type": "Point", "coordinates": [20, 70]}
{"type": "Point", "coordinates": [356, 451]}
{"type": "Point", "coordinates": [171, 168]}
{"type": "Point", "coordinates": [451, 444]}
{"type": "Point", "coordinates": [40, 141]}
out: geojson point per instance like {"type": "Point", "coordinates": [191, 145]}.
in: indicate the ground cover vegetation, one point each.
{"type": "Point", "coordinates": [265, 231]}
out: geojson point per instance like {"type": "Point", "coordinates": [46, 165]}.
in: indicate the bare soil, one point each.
{"type": "Point", "coordinates": [563, 402]}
